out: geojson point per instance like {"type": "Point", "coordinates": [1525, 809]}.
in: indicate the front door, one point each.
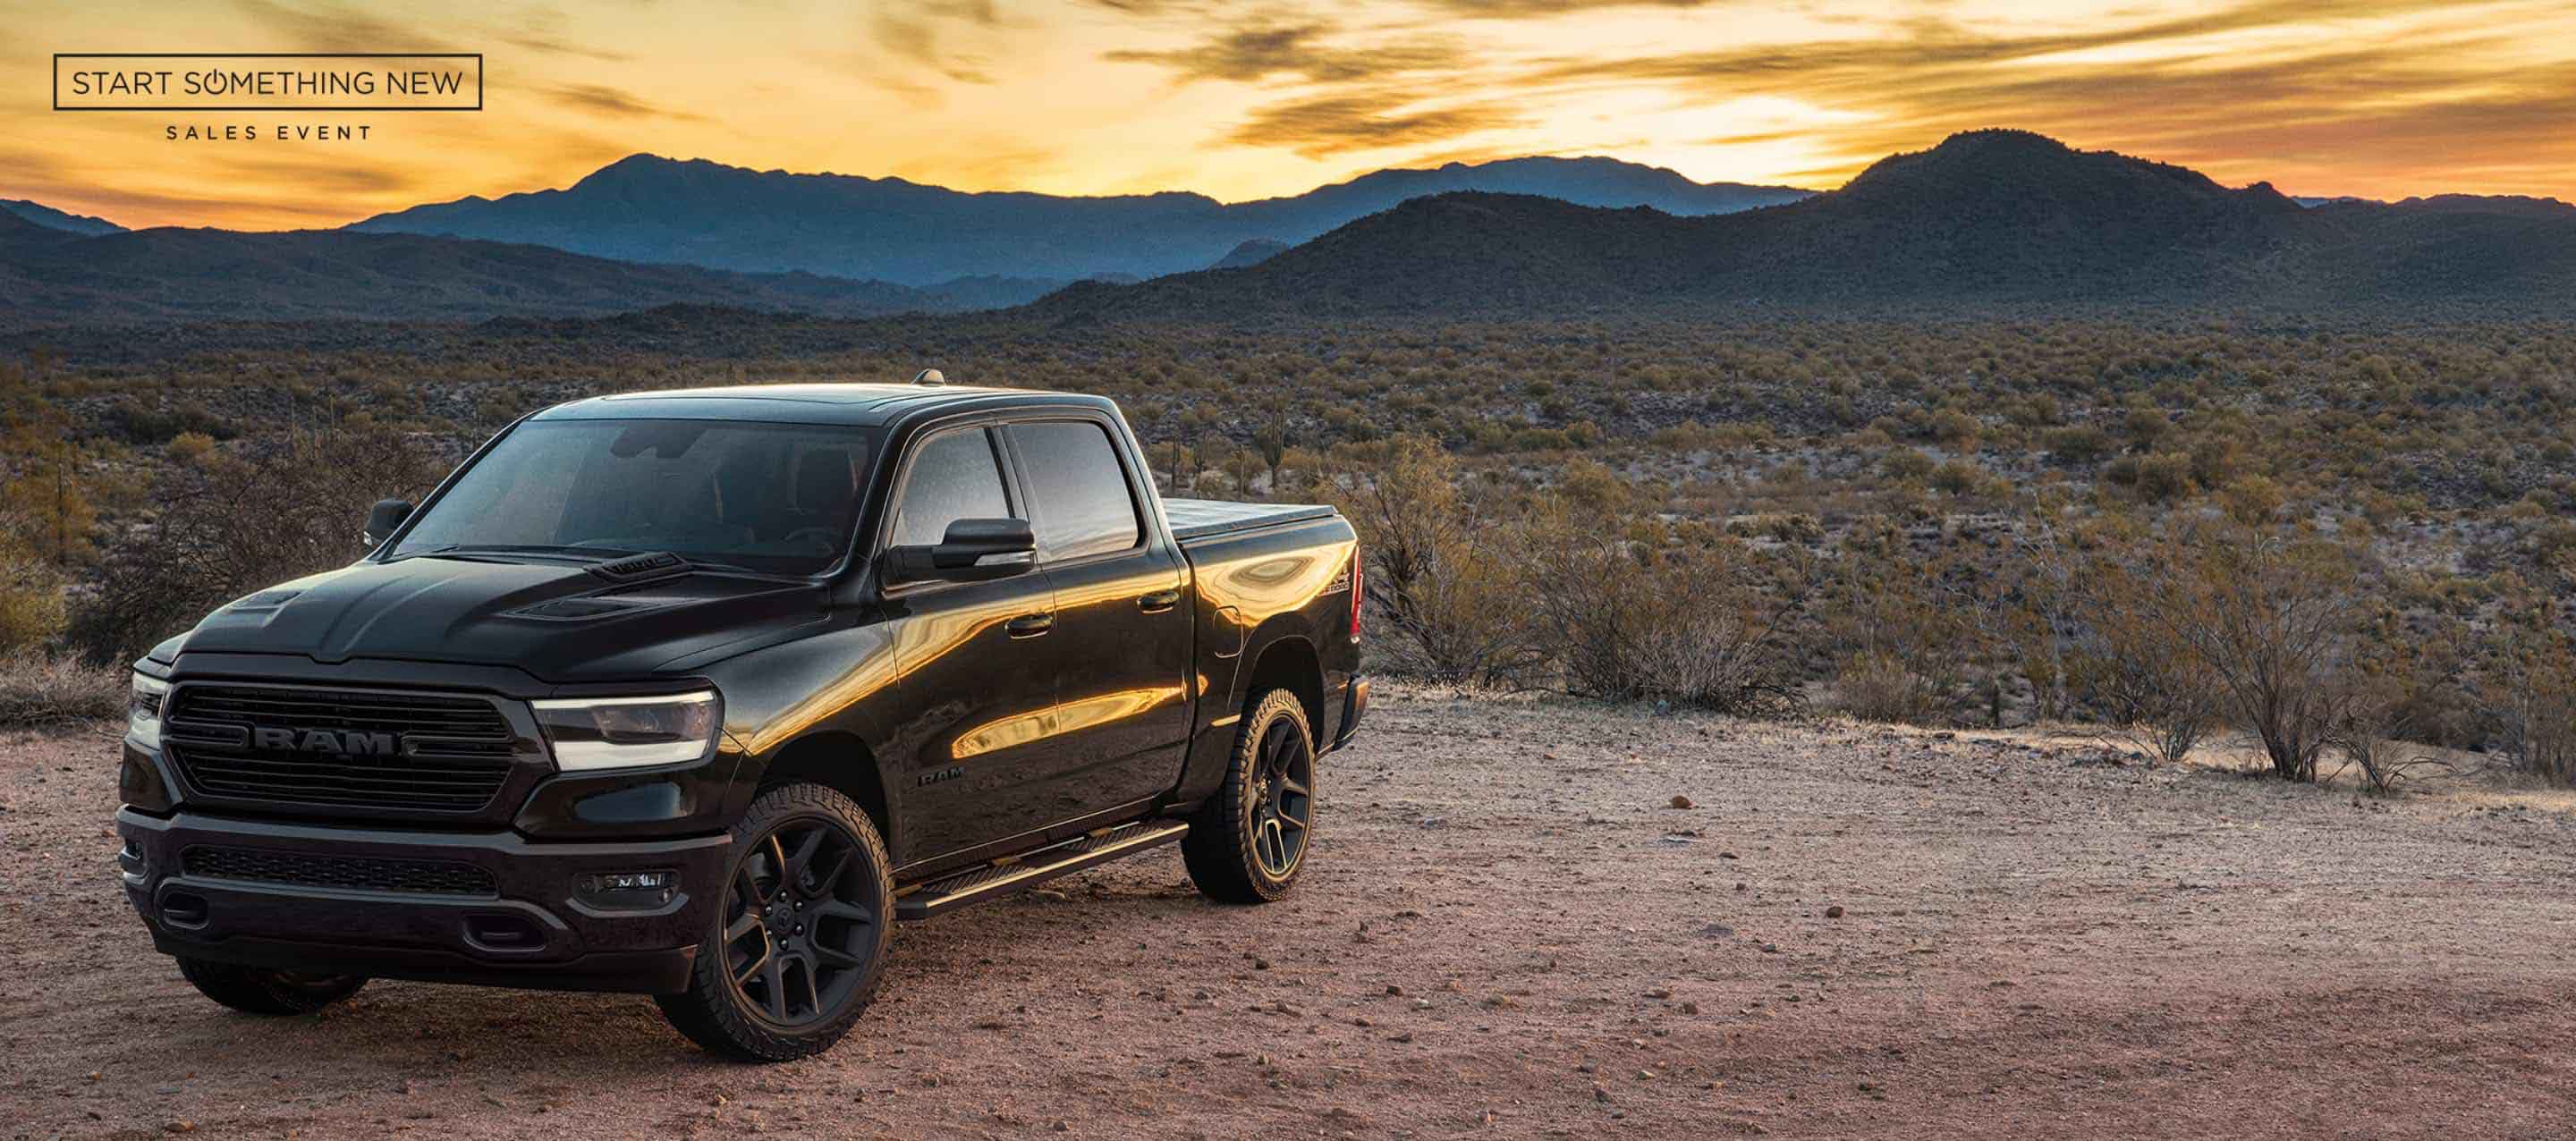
{"type": "Point", "coordinates": [1122, 637]}
{"type": "Point", "coordinates": [975, 683]}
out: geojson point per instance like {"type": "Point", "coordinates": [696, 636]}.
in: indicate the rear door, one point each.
{"type": "Point", "coordinates": [1122, 638]}
{"type": "Point", "coordinates": [976, 684]}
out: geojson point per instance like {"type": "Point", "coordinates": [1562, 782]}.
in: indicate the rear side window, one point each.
{"type": "Point", "coordinates": [953, 477]}
{"type": "Point", "coordinates": [1079, 491]}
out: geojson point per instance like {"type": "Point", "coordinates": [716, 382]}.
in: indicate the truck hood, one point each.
{"type": "Point", "coordinates": [557, 622]}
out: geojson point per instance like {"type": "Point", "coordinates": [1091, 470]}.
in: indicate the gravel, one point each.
{"type": "Point", "coordinates": [2025, 946]}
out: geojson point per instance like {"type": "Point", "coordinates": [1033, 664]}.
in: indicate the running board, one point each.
{"type": "Point", "coordinates": [1015, 873]}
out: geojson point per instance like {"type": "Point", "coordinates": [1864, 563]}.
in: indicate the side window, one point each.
{"type": "Point", "coordinates": [1079, 491]}
{"type": "Point", "coordinates": [953, 476]}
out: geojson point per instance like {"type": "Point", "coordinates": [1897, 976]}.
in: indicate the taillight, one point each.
{"type": "Point", "coordinates": [1359, 573]}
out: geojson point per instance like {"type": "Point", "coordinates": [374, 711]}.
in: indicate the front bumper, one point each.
{"type": "Point", "coordinates": [521, 922]}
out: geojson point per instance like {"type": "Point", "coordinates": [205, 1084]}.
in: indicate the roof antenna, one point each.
{"type": "Point", "coordinates": [931, 378]}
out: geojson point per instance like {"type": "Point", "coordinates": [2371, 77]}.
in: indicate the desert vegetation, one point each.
{"type": "Point", "coordinates": [2349, 543]}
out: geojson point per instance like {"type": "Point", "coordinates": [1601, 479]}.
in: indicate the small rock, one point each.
{"type": "Point", "coordinates": [1834, 912]}
{"type": "Point", "coordinates": [1680, 801]}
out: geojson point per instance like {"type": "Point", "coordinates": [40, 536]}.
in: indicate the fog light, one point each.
{"type": "Point", "coordinates": [628, 889]}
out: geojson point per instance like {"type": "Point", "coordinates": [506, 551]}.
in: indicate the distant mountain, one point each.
{"type": "Point", "coordinates": [653, 209]}
{"type": "Point", "coordinates": [43, 215]}
{"type": "Point", "coordinates": [2516, 204]}
{"type": "Point", "coordinates": [1250, 253]}
{"type": "Point", "coordinates": [53, 277]}
{"type": "Point", "coordinates": [1986, 217]}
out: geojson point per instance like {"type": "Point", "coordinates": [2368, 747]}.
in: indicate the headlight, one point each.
{"type": "Point", "coordinates": [143, 710]}
{"type": "Point", "coordinates": [624, 732]}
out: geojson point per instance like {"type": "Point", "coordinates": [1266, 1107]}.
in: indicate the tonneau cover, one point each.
{"type": "Point", "coordinates": [1200, 518]}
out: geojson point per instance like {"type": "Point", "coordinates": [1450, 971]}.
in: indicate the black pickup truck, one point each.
{"type": "Point", "coordinates": [695, 693]}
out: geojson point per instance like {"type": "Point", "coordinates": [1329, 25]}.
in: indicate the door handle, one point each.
{"type": "Point", "coordinates": [1029, 625]}
{"type": "Point", "coordinates": [1159, 601]}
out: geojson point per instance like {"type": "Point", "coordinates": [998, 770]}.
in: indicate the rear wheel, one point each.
{"type": "Point", "coordinates": [802, 937]}
{"type": "Point", "coordinates": [258, 990]}
{"type": "Point", "coordinates": [1248, 844]}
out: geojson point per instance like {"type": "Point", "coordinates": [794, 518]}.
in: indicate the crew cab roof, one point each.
{"type": "Point", "coordinates": [865, 405]}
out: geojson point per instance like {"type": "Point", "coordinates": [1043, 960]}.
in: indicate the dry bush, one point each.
{"type": "Point", "coordinates": [1629, 618]}
{"type": "Point", "coordinates": [1903, 624]}
{"type": "Point", "coordinates": [1878, 686]}
{"type": "Point", "coordinates": [38, 688]}
{"type": "Point", "coordinates": [31, 600]}
{"type": "Point", "coordinates": [237, 521]}
{"type": "Point", "coordinates": [1439, 576]}
{"type": "Point", "coordinates": [2368, 730]}
{"type": "Point", "coordinates": [2530, 682]}
{"type": "Point", "coordinates": [2268, 612]}
{"type": "Point", "coordinates": [2138, 673]}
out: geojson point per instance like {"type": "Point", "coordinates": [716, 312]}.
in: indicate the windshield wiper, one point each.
{"type": "Point", "coordinates": [472, 550]}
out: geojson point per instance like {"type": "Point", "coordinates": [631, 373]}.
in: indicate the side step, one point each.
{"type": "Point", "coordinates": [1015, 873]}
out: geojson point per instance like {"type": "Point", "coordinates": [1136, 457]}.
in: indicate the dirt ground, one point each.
{"type": "Point", "coordinates": [1507, 930]}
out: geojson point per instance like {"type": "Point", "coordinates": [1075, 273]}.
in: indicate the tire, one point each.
{"type": "Point", "coordinates": [258, 990]}
{"type": "Point", "coordinates": [1248, 844]}
{"type": "Point", "coordinates": [800, 936]}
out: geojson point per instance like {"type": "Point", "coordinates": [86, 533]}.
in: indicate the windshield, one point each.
{"type": "Point", "coordinates": [775, 498]}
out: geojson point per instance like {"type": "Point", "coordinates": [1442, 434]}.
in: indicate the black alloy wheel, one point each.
{"type": "Point", "coordinates": [792, 955]}
{"type": "Point", "coordinates": [1248, 843]}
{"type": "Point", "coordinates": [1283, 800]}
{"type": "Point", "coordinates": [800, 930]}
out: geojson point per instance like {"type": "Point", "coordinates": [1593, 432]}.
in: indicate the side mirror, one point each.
{"type": "Point", "coordinates": [974, 550]}
{"type": "Point", "coordinates": [383, 519]}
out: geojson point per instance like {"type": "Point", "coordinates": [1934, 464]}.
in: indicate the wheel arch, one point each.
{"type": "Point", "coordinates": [1289, 662]}
{"type": "Point", "coordinates": [843, 762]}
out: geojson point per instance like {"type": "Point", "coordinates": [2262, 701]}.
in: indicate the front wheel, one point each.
{"type": "Point", "coordinates": [258, 990]}
{"type": "Point", "coordinates": [1249, 842]}
{"type": "Point", "coordinates": [795, 952]}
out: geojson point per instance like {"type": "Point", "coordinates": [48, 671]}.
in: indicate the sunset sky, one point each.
{"type": "Point", "coordinates": [2382, 98]}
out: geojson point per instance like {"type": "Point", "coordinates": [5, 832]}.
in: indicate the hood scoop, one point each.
{"type": "Point", "coordinates": [641, 568]}
{"type": "Point", "coordinates": [578, 608]}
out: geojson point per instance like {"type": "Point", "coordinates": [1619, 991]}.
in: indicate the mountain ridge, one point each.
{"type": "Point", "coordinates": [1991, 217]}
{"type": "Point", "coordinates": [51, 218]}
{"type": "Point", "coordinates": [55, 277]}
{"type": "Point", "coordinates": [646, 207]}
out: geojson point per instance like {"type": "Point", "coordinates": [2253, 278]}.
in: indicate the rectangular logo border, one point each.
{"type": "Point", "coordinates": [477, 57]}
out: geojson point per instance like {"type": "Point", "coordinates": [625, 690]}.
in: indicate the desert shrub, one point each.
{"type": "Point", "coordinates": [31, 600]}
{"type": "Point", "coordinates": [1879, 686]}
{"type": "Point", "coordinates": [37, 687]}
{"type": "Point", "coordinates": [2528, 680]}
{"type": "Point", "coordinates": [1438, 577]}
{"type": "Point", "coordinates": [1902, 625]}
{"type": "Point", "coordinates": [2268, 612]}
{"type": "Point", "coordinates": [2080, 445]}
{"type": "Point", "coordinates": [239, 520]}
{"type": "Point", "coordinates": [2135, 670]}
{"type": "Point", "coordinates": [1628, 619]}
{"type": "Point", "coordinates": [2371, 730]}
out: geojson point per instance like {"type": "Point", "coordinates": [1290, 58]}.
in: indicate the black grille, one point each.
{"type": "Point", "coordinates": [449, 754]}
{"type": "Point", "coordinates": [433, 877]}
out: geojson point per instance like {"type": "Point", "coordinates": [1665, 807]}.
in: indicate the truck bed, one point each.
{"type": "Point", "coordinates": [1202, 518]}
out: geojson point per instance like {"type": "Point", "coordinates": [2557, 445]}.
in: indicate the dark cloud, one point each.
{"type": "Point", "coordinates": [2418, 103]}
{"type": "Point", "coordinates": [596, 99]}
{"type": "Point", "coordinates": [910, 30]}
{"type": "Point", "coordinates": [1332, 124]}
{"type": "Point", "coordinates": [1256, 52]}
{"type": "Point", "coordinates": [335, 28]}
{"type": "Point", "coordinates": [1524, 9]}
{"type": "Point", "coordinates": [553, 46]}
